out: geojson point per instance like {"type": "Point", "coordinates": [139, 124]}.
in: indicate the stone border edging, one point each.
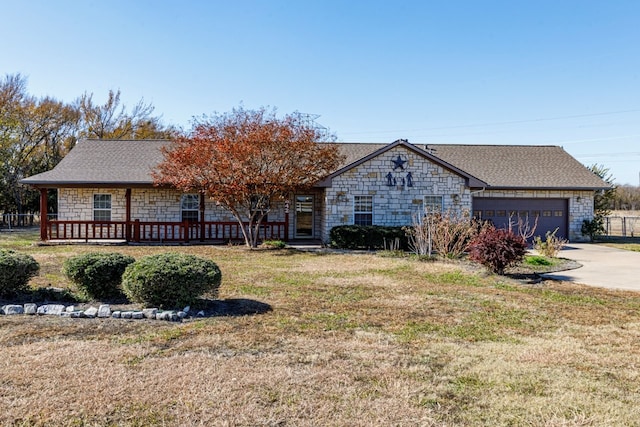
{"type": "Point", "coordinates": [102, 311]}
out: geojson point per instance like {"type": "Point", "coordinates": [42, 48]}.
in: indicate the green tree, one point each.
{"type": "Point", "coordinates": [34, 136]}
{"type": "Point", "coordinates": [36, 133]}
{"type": "Point", "coordinates": [603, 202]}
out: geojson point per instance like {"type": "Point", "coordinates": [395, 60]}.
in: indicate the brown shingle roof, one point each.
{"type": "Point", "coordinates": [519, 166]}
{"type": "Point", "coordinates": [105, 162]}
{"type": "Point", "coordinates": [126, 162]}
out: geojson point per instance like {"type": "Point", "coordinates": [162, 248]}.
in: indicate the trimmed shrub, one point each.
{"type": "Point", "coordinates": [16, 269]}
{"type": "Point", "coordinates": [97, 275]}
{"type": "Point", "coordinates": [497, 249]}
{"type": "Point", "coordinates": [170, 280]}
{"type": "Point", "coordinates": [367, 237]}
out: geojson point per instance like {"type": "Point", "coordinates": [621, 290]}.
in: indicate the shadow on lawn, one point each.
{"type": "Point", "coordinates": [234, 307]}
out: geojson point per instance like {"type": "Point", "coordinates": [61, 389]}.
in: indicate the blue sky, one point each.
{"type": "Point", "coordinates": [540, 72]}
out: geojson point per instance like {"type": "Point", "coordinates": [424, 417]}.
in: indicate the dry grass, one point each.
{"type": "Point", "coordinates": [351, 340]}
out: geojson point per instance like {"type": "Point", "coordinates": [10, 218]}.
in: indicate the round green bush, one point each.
{"type": "Point", "coordinates": [170, 280]}
{"type": "Point", "coordinates": [16, 269]}
{"type": "Point", "coordinates": [97, 275]}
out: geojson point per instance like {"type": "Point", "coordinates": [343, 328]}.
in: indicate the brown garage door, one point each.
{"type": "Point", "coordinates": [551, 213]}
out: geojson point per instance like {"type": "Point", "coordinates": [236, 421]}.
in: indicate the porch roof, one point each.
{"type": "Point", "coordinates": [104, 163]}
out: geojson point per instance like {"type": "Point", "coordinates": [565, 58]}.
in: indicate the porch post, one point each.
{"type": "Point", "coordinates": [202, 225]}
{"type": "Point", "coordinates": [286, 221]}
{"type": "Point", "coordinates": [127, 197]}
{"type": "Point", "coordinates": [43, 214]}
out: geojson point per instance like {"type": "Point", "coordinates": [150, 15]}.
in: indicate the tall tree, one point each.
{"type": "Point", "coordinates": [112, 121]}
{"type": "Point", "coordinates": [34, 136]}
{"type": "Point", "coordinates": [246, 160]}
{"type": "Point", "coordinates": [603, 201]}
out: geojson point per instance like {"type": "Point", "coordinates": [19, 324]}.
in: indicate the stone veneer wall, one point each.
{"type": "Point", "coordinates": [578, 210]}
{"type": "Point", "coordinates": [147, 204]}
{"type": "Point", "coordinates": [76, 204]}
{"type": "Point", "coordinates": [392, 205]}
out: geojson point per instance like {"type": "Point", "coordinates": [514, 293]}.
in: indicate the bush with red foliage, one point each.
{"type": "Point", "coordinates": [497, 249]}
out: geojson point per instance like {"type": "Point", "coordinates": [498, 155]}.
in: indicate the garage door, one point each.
{"type": "Point", "coordinates": [551, 213]}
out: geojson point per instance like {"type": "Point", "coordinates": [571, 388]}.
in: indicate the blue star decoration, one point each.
{"type": "Point", "coordinates": [398, 163]}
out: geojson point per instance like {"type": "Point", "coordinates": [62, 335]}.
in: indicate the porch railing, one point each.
{"type": "Point", "coordinates": [159, 232]}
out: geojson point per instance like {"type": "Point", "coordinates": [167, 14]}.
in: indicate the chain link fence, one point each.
{"type": "Point", "coordinates": [622, 226]}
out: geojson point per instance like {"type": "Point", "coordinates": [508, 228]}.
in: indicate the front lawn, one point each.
{"type": "Point", "coordinates": [349, 340]}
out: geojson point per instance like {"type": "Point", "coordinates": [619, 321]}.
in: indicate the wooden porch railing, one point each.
{"type": "Point", "coordinates": [159, 232]}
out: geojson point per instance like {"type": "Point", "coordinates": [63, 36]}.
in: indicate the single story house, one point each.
{"type": "Point", "coordinates": [105, 191]}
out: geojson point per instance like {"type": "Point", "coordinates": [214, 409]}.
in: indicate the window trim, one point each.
{"type": "Point", "coordinates": [357, 203]}
{"type": "Point", "coordinates": [191, 210]}
{"type": "Point", "coordinates": [97, 208]}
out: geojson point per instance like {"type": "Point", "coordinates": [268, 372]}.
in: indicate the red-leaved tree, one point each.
{"type": "Point", "coordinates": [246, 160]}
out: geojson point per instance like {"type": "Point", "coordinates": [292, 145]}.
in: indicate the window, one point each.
{"type": "Point", "coordinates": [363, 210]}
{"type": "Point", "coordinates": [501, 213]}
{"type": "Point", "coordinates": [102, 207]}
{"type": "Point", "coordinates": [190, 207]}
{"type": "Point", "coordinates": [432, 204]}
{"type": "Point", "coordinates": [489, 213]}
{"type": "Point", "coordinates": [557, 213]}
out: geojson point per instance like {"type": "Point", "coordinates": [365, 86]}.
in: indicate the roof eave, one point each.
{"type": "Point", "coordinates": [87, 184]}
{"type": "Point", "coordinates": [529, 188]}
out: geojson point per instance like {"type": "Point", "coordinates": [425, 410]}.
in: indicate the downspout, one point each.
{"type": "Point", "coordinates": [477, 191]}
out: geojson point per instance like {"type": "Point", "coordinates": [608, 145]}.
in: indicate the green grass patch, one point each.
{"type": "Point", "coordinates": [537, 260]}
{"type": "Point", "coordinates": [455, 277]}
{"type": "Point", "coordinates": [570, 298]}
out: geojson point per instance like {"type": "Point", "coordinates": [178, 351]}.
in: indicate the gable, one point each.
{"type": "Point", "coordinates": [356, 154]}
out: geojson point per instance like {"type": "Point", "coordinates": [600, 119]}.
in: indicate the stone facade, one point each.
{"type": "Point", "coordinates": [76, 204]}
{"type": "Point", "coordinates": [396, 181]}
{"type": "Point", "coordinates": [147, 204]}
{"type": "Point", "coordinates": [395, 199]}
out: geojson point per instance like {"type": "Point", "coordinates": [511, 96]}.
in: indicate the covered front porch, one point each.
{"type": "Point", "coordinates": [196, 228]}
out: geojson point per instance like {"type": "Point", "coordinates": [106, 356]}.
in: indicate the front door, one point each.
{"type": "Point", "coordinates": [304, 216]}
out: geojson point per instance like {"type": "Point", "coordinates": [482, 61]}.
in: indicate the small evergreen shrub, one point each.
{"type": "Point", "coordinates": [367, 237]}
{"type": "Point", "coordinates": [16, 269]}
{"type": "Point", "coordinates": [593, 228]}
{"type": "Point", "coordinates": [497, 249]}
{"type": "Point", "coordinates": [97, 275]}
{"type": "Point", "coordinates": [274, 244]}
{"type": "Point", "coordinates": [170, 280]}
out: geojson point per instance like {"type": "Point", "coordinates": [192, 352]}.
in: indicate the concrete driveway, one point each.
{"type": "Point", "coordinates": [601, 266]}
